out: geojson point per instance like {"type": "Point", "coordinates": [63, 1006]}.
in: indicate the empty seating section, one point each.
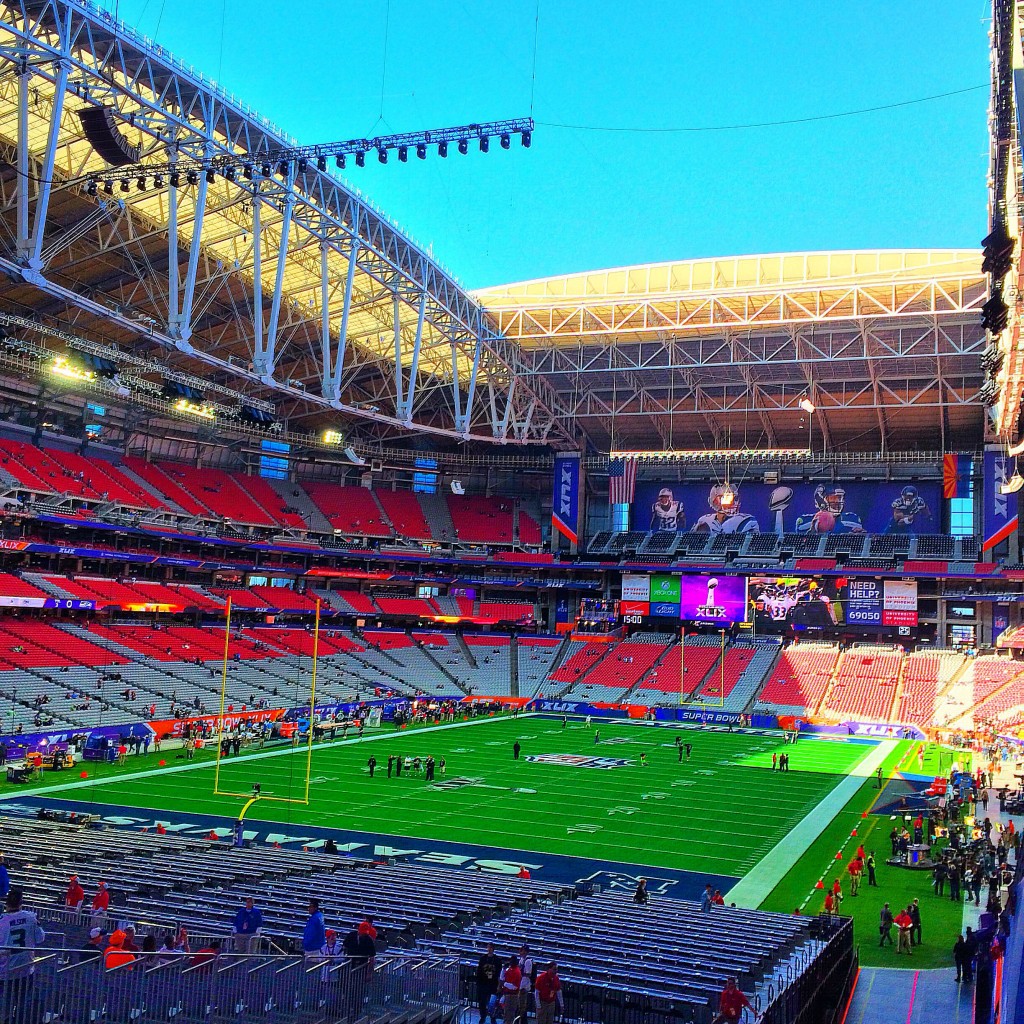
{"type": "Point", "coordinates": [37, 470]}
{"type": "Point", "coordinates": [103, 591]}
{"type": "Point", "coordinates": [534, 656]}
{"type": "Point", "coordinates": [15, 586]}
{"type": "Point", "coordinates": [991, 673]}
{"type": "Point", "coordinates": [414, 607]}
{"type": "Point", "coordinates": [529, 529]}
{"type": "Point", "coordinates": [720, 683]}
{"type": "Point", "coordinates": [916, 704]}
{"type": "Point", "coordinates": [269, 501]}
{"type": "Point", "coordinates": [301, 641]}
{"type": "Point", "coordinates": [219, 492]}
{"type": "Point", "coordinates": [406, 514]}
{"type": "Point", "coordinates": [581, 658]}
{"type": "Point", "coordinates": [625, 665]}
{"type": "Point", "coordinates": [348, 509]}
{"type": "Point", "coordinates": [507, 611]}
{"type": "Point", "coordinates": [354, 601]}
{"type": "Point", "coordinates": [385, 640]}
{"type": "Point", "coordinates": [684, 668]}
{"type": "Point", "coordinates": [28, 643]}
{"type": "Point", "coordinates": [865, 684]}
{"type": "Point", "coordinates": [480, 520]}
{"type": "Point", "coordinates": [800, 678]}
{"type": "Point", "coordinates": [1003, 703]}
{"type": "Point", "coordinates": [162, 483]}
{"type": "Point", "coordinates": [605, 940]}
{"type": "Point", "coordinates": [284, 597]}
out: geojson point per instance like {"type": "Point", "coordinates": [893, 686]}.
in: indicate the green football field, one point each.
{"type": "Point", "coordinates": [719, 813]}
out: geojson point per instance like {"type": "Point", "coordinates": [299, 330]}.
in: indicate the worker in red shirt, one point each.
{"type": "Point", "coordinates": [837, 895]}
{"type": "Point", "coordinates": [855, 869]}
{"type": "Point", "coordinates": [75, 896]}
{"type": "Point", "coordinates": [903, 923]}
{"type": "Point", "coordinates": [860, 852]}
{"type": "Point", "coordinates": [511, 982]}
{"type": "Point", "coordinates": [114, 955]}
{"type": "Point", "coordinates": [524, 873]}
{"type": "Point", "coordinates": [548, 995]}
{"type": "Point", "coordinates": [732, 1003]}
{"type": "Point", "coordinates": [101, 901]}
{"type": "Point", "coordinates": [830, 903]}
{"type": "Point", "coordinates": [160, 829]}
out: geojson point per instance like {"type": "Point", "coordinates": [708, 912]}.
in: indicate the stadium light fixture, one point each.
{"type": "Point", "coordinates": [382, 155]}
{"type": "Point", "coordinates": [333, 437]}
{"type": "Point", "coordinates": [339, 161]}
{"type": "Point", "coordinates": [360, 158]}
{"type": "Point", "coordinates": [807, 405]}
{"type": "Point", "coordinates": [158, 181]}
{"type": "Point", "coordinates": [174, 179]}
{"type": "Point", "coordinates": [141, 183]}
{"type": "Point", "coordinates": [211, 176]}
{"type": "Point", "coordinates": [192, 178]}
{"type": "Point", "coordinates": [321, 163]}
{"type": "Point", "coordinates": [526, 138]}
{"type": "Point", "coordinates": [60, 367]}
{"type": "Point", "coordinates": [125, 184]}
{"type": "Point", "coordinates": [265, 170]}
{"type": "Point", "coordinates": [442, 149]}
{"type": "Point", "coordinates": [247, 172]}
{"type": "Point", "coordinates": [421, 150]}
{"type": "Point", "coordinates": [463, 146]}
{"type": "Point", "coordinates": [506, 141]}
{"type": "Point", "coordinates": [195, 409]}
{"type": "Point", "coordinates": [92, 188]}
{"type": "Point", "coordinates": [485, 143]}
{"type": "Point", "coordinates": [403, 154]}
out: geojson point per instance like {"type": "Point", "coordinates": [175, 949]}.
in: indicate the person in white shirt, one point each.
{"type": "Point", "coordinates": [331, 951]}
{"type": "Point", "coordinates": [20, 936]}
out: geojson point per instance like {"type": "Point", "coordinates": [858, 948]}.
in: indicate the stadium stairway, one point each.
{"type": "Point", "coordinates": [513, 666]}
{"type": "Point", "coordinates": [437, 515]}
{"type": "Point", "coordinates": [292, 494]}
{"type": "Point", "coordinates": [466, 652]}
{"type": "Point", "coordinates": [159, 500]}
{"type": "Point", "coordinates": [432, 658]}
{"type": "Point", "coordinates": [744, 694]}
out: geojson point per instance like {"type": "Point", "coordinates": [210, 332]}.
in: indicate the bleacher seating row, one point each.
{"type": "Point", "coordinates": [161, 883]}
{"type": "Point", "coordinates": [88, 481]}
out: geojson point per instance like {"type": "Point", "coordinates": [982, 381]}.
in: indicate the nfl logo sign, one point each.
{"type": "Point", "coordinates": [579, 760]}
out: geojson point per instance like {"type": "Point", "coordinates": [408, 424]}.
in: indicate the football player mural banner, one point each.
{"type": "Point", "coordinates": [753, 507]}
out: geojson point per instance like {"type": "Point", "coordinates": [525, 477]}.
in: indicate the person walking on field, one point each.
{"type": "Point", "coordinates": [854, 869]}
{"type": "Point", "coordinates": [516, 748]}
{"type": "Point", "coordinates": [885, 923]}
{"type": "Point", "coordinates": [914, 910]}
{"type": "Point", "coordinates": [903, 924]}
{"type": "Point", "coordinates": [871, 869]}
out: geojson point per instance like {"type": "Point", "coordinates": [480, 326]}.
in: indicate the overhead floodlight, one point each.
{"type": "Point", "coordinates": [301, 165]}
{"type": "Point", "coordinates": [463, 146]}
{"type": "Point", "coordinates": [175, 179]}
{"type": "Point", "coordinates": [141, 183]}
{"type": "Point", "coordinates": [403, 154]}
{"type": "Point", "coordinates": [192, 178]}
{"type": "Point", "coordinates": [158, 181]}
{"type": "Point", "coordinates": [125, 184]}
{"type": "Point", "coordinates": [382, 154]}
{"type": "Point", "coordinates": [807, 405]}
{"type": "Point", "coordinates": [526, 138]}
{"type": "Point", "coordinates": [92, 188]}
{"type": "Point", "coordinates": [247, 171]}
{"type": "Point", "coordinates": [360, 158]}
{"type": "Point", "coordinates": [421, 150]}
{"type": "Point", "coordinates": [321, 163]}
{"type": "Point", "coordinates": [60, 367]}
{"type": "Point", "coordinates": [442, 149]}
{"type": "Point", "coordinates": [485, 143]}
{"type": "Point", "coordinates": [506, 141]}
{"type": "Point", "coordinates": [282, 168]}
{"type": "Point", "coordinates": [265, 170]}
{"type": "Point", "coordinates": [211, 176]}
{"type": "Point", "coordinates": [339, 161]}
{"type": "Point", "coordinates": [333, 437]}
{"type": "Point", "coordinates": [229, 174]}
{"type": "Point", "coordinates": [108, 187]}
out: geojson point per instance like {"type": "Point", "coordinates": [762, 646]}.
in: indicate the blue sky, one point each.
{"type": "Point", "coordinates": [580, 200]}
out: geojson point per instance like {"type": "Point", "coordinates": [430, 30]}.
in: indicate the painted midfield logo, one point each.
{"type": "Point", "coordinates": [580, 760]}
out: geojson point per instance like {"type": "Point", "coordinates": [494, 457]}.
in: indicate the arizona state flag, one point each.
{"type": "Point", "coordinates": [951, 483]}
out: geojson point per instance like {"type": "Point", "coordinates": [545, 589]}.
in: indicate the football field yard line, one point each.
{"type": "Point", "coordinates": [764, 876]}
{"type": "Point", "coordinates": [667, 815]}
{"type": "Point", "coordinates": [262, 755]}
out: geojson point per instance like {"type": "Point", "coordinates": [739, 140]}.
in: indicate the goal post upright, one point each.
{"type": "Point", "coordinates": [312, 699]}
{"type": "Point", "coordinates": [223, 695]}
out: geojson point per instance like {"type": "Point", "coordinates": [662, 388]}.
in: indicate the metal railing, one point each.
{"type": "Point", "coordinates": [227, 987]}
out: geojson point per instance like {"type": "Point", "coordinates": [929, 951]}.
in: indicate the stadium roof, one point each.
{"type": "Point", "coordinates": [886, 344]}
{"type": "Point", "coordinates": [250, 282]}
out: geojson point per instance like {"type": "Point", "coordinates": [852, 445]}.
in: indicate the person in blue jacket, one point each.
{"type": "Point", "coordinates": [248, 922]}
{"type": "Point", "coordinates": [313, 934]}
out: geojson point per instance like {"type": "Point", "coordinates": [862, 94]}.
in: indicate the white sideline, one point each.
{"type": "Point", "coordinates": [197, 766]}
{"type": "Point", "coordinates": [756, 885]}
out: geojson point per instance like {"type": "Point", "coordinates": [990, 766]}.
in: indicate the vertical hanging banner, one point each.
{"type": "Point", "coordinates": [565, 506]}
{"type": "Point", "coordinates": [999, 516]}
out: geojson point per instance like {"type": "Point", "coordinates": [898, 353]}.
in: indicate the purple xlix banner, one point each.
{"type": "Point", "coordinates": [716, 599]}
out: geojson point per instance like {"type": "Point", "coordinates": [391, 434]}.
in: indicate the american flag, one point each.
{"type": "Point", "coordinates": [621, 481]}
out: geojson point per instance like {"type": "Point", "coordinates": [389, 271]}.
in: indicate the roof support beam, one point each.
{"type": "Point", "coordinates": [33, 257]}
{"type": "Point", "coordinates": [332, 377]}
{"type": "Point", "coordinates": [22, 242]}
{"type": "Point", "coordinates": [405, 403]}
{"type": "Point", "coordinates": [462, 422]}
{"type": "Point", "coordinates": [266, 355]}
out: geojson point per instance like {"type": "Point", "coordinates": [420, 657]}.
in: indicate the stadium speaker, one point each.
{"type": "Point", "coordinates": [102, 133]}
{"type": "Point", "coordinates": [457, 487]}
{"type": "Point", "coordinates": [352, 456]}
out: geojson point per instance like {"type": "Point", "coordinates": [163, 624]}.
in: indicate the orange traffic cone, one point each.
{"type": "Point", "coordinates": [819, 884]}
